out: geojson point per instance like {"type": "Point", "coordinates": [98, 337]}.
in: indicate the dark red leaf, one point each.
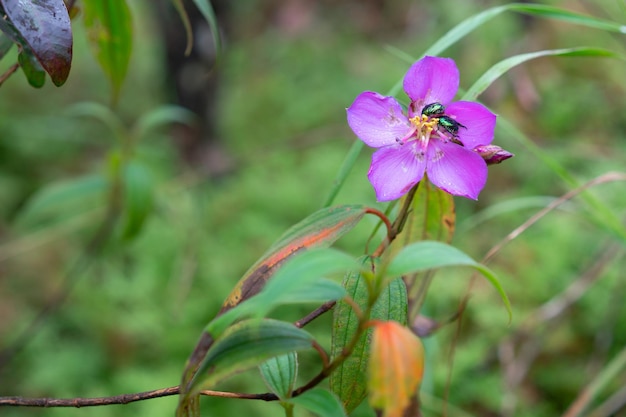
{"type": "Point", "coordinates": [44, 29]}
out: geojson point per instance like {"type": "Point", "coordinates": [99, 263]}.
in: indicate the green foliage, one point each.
{"type": "Point", "coordinates": [109, 25]}
{"type": "Point", "coordinates": [280, 373]}
{"type": "Point", "coordinates": [349, 382]}
{"type": "Point", "coordinates": [245, 345]}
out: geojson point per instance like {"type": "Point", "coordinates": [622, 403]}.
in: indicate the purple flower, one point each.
{"type": "Point", "coordinates": [436, 136]}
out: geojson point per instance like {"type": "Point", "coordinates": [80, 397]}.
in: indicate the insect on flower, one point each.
{"type": "Point", "coordinates": [434, 135]}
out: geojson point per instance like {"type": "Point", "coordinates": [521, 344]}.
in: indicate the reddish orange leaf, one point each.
{"type": "Point", "coordinates": [395, 368]}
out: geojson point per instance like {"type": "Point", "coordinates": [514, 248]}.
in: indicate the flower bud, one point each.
{"type": "Point", "coordinates": [492, 154]}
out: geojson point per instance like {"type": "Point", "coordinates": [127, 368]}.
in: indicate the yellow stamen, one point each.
{"type": "Point", "coordinates": [424, 124]}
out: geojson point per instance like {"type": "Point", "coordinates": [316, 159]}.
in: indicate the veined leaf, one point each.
{"type": "Point", "coordinates": [280, 373]}
{"type": "Point", "coordinates": [321, 402]}
{"type": "Point", "coordinates": [44, 30]}
{"type": "Point", "coordinates": [245, 345]}
{"type": "Point", "coordinates": [426, 255]}
{"type": "Point", "coordinates": [505, 65]}
{"type": "Point", "coordinates": [109, 27]}
{"type": "Point", "coordinates": [349, 381]}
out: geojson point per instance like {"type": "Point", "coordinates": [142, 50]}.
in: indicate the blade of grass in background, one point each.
{"type": "Point", "coordinates": [505, 65]}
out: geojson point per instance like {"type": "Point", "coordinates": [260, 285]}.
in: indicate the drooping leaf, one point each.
{"type": "Point", "coordinates": [184, 17]}
{"type": "Point", "coordinates": [245, 345]}
{"type": "Point", "coordinates": [280, 373]}
{"type": "Point", "coordinates": [505, 65]}
{"type": "Point", "coordinates": [539, 10]}
{"type": "Point", "coordinates": [42, 28]}
{"type": "Point", "coordinates": [422, 256]}
{"type": "Point", "coordinates": [31, 68]}
{"type": "Point", "coordinates": [109, 26]}
{"type": "Point", "coordinates": [137, 196]}
{"type": "Point", "coordinates": [162, 116]}
{"type": "Point", "coordinates": [320, 402]}
{"type": "Point", "coordinates": [349, 381]}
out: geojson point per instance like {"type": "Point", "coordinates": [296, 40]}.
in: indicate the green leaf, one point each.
{"type": "Point", "coordinates": [245, 345]}
{"type": "Point", "coordinates": [66, 198]}
{"type": "Point", "coordinates": [321, 402]}
{"type": "Point", "coordinates": [138, 198]}
{"type": "Point", "coordinates": [426, 255]}
{"type": "Point", "coordinates": [109, 27]}
{"type": "Point", "coordinates": [280, 373]}
{"type": "Point", "coordinates": [162, 116]}
{"type": "Point", "coordinates": [431, 217]}
{"type": "Point", "coordinates": [505, 65]}
{"type": "Point", "coordinates": [44, 30]}
{"type": "Point", "coordinates": [320, 229]}
{"type": "Point", "coordinates": [349, 380]}
{"type": "Point", "coordinates": [31, 68]}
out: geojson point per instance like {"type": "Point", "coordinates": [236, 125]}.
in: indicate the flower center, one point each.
{"type": "Point", "coordinates": [424, 126]}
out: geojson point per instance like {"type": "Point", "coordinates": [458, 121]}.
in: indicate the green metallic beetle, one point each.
{"type": "Point", "coordinates": [433, 109]}
{"type": "Point", "coordinates": [450, 125]}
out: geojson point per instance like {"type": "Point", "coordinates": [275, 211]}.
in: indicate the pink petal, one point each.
{"type": "Point", "coordinates": [395, 169]}
{"type": "Point", "coordinates": [455, 169]}
{"type": "Point", "coordinates": [433, 80]}
{"type": "Point", "coordinates": [377, 120]}
{"type": "Point", "coordinates": [479, 121]}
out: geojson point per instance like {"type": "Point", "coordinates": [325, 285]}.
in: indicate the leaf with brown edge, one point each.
{"type": "Point", "coordinates": [320, 229]}
{"type": "Point", "coordinates": [42, 28]}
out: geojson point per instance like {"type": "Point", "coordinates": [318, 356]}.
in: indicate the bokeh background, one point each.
{"type": "Point", "coordinates": [261, 157]}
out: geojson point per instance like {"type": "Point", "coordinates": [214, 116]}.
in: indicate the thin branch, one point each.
{"type": "Point", "coordinates": [8, 73]}
{"type": "Point", "coordinates": [123, 399]}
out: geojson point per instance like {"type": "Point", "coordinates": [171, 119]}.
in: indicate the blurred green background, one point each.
{"type": "Point", "coordinates": [288, 71]}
